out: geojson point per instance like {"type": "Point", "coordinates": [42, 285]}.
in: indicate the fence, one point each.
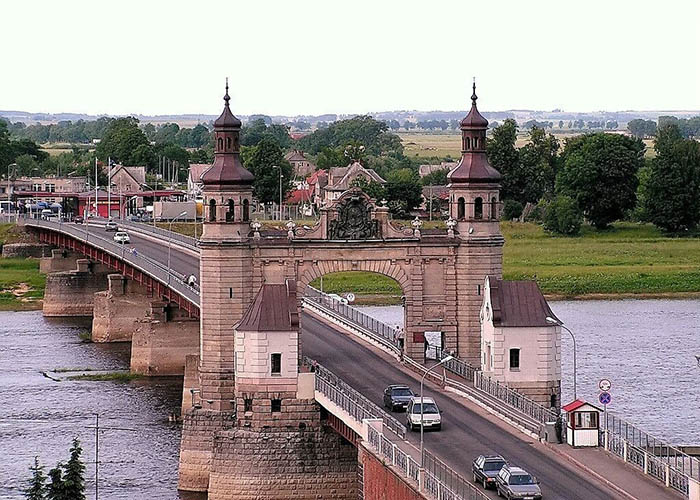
{"type": "Point", "coordinates": [180, 239]}
{"type": "Point", "coordinates": [439, 480]}
{"type": "Point", "coordinates": [666, 463]}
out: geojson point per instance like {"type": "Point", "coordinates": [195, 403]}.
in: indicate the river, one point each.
{"type": "Point", "coordinates": [646, 348]}
{"type": "Point", "coordinates": [138, 447]}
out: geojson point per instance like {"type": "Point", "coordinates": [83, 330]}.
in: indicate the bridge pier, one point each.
{"type": "Point", "coordinates": [60, 260]}
{"type": "Point", "coordinates": [162, 341]}
{"type": "Point", "coordinates": [120, 310]}
{"type": "Point", "coordinates": [72, 293]}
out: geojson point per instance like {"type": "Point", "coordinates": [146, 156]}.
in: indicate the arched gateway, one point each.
{"type": "Point", "coordinates": [441, 272]}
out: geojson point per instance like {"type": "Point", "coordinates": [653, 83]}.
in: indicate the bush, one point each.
{"type": "Point", "coordinates": [512, 209]}
{"type": "Point", "coordinates": [562, 216]}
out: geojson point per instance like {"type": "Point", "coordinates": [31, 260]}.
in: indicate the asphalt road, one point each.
{"type": "Point", "coordinates": [465, 434]}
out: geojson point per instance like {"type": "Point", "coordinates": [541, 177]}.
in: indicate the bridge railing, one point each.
{"type": "Point", "coordinates": [164, 234]}
{"type": "Point", "coordinates": [151, 267]}
{"type": "Point", "coordinates": [437, 480]}
{"type": "Point", "coordinates": [654, 457]}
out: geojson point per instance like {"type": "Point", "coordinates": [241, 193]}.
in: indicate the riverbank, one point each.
{"type": "Point", "coordinates": [21, 283]}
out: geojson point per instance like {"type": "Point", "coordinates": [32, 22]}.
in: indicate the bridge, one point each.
{"type": "Point", "coordinates": [355, 357]}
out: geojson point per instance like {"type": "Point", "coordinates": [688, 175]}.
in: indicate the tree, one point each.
{"type": "Point", "coordinates": [373, 189]}
{"type": "Point", "coordinates": [404, 189]}
{"type": "Point", "coordinates": [641, 128]}
{"type": "Point", "coordinates": [538, 166]}
{"type": "Point", "coordinates": [436, 178]}
{"type": "Point", "coordinates": [122, 138]}
{"type": "Point", "coordinates": [260, 160]}
{"type": "Point", "coordinates": [504, 157]}
{"type": "Point", "coordinates": [562, 216]}
{"type": "Point", "coordinates": [56, 489]}
{"type": "Point", "coordinates": [599, 171]}
{"type": "Point", "coordinates": [672, 190]}
{"type": "Point", "coordinates": [330, 157]}
{"type": "Point", "coordinates": [74, 471]}
{"type": "Point", "coordinates": [364, 130]}
{"type": "Point", "coordinates": [36, 489]}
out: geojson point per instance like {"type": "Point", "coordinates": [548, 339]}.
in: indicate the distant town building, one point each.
{"type": "Point", "coordinates": [300, 164]}
{"type": "Point", "coordinates": [440, 196]}
{"type": "Point", "coordinates": [424, 170]}
{"type": "Point", "coordinates": [340, 179]}
{"type": "Point", "coordinates": [127, 179]}
{"type": "Point", "coordinates": [194, 180]}
{"type": "Point", "coordinates": [519, 346]}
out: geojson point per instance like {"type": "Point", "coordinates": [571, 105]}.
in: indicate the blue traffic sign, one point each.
{"type": "Point", "coordinates": [604, 398]}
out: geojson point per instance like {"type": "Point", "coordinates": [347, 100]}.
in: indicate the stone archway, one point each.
{"type": "Point", "coordinates": [383, 267]}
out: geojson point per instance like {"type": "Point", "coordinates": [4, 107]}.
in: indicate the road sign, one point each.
{"type": "Point", "coordinates": [350, 297]}
{"type": "Point", "coordinates": [604, 398]}
{"type": "Point", "coordinates": [604, 385]}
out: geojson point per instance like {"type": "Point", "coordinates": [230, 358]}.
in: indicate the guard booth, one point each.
{"type": "Point", "coordinates": [582, 423]}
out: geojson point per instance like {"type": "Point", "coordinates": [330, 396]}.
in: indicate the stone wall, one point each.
{"type": "Point", "coordinates": [119, 311]}
{"type": "Point", "coordinates": [72, 293]}
{"type": "Point", "coordinates": [36, 250]}
{"type": "Point", "coordinates": [191, 382]}
{"type": "Point", "coordinates": [381, 482]}
{"type": "Point", "coordinates": [60, 260]}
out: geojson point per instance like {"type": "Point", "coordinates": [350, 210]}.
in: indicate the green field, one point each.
{"type": "Point", "coordinates": [21, 284]}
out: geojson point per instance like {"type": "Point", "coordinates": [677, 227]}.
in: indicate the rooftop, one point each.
{"type": "Point", "coordinates": [518, 303]}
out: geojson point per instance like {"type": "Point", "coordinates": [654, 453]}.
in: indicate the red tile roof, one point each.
{"type": "Point", "coordinates": [299, 196]}
{"type": "Point", "coordinates": [573, 405]}
{"type": "Point", "coordinates": [273, 309]}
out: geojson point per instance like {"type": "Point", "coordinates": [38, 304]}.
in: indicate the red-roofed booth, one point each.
{"type": "Point", "coordinates": [582, 423]}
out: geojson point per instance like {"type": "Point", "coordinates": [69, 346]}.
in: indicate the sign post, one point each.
{"type": "Point", "coordinates": [605, 398]}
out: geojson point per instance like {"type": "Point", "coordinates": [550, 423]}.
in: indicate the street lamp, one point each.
{"type": "Point", "coordinates": [143, 184]}
{"type": "Point", "coordinates": [9, 187]}
{"type": "Point", "coordinates": [444, 360]}
{"type": "Point", "coordinates": [170, 239]}
{"type": "Point", "coordinates": [559, 323]}
{"type": "Point", "coordinates": [280, 169]}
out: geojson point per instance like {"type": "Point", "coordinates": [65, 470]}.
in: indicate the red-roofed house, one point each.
{"type": "Point", "coordinates": [582, 423]}
{"type": "Point", "coordinates": [520, 347]}
{"type": "Point", "coordinates": [300, 163]}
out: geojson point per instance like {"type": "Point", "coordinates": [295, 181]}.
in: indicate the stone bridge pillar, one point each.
{"type": "Point", "coordinates": [72, 293]}
{"type": "Point", "coordinates": [60, 260]}
{"type": "Point", "coordinates": [120, 310]}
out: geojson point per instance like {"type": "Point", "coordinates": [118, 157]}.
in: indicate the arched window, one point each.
{"type": "Point", "coordinates": [494, 208]}
{"type": "Point", "coordinates": [212, 210]}
{"type": "Point", "coordinates": [466, 143]}
{"type": "Point", "coordinates": [476, 143]}
{"type": "Point", "coordinates": [246, 210]}
{"type": "Point", "coordinates": [460, 209]}
{"type": "Point", "coordinates": [478, 208]}
{"type": "Point", "coordinates": [228, 143]}
{"type": "Point", "coordinates": [229, 211]}
{"type": "Point", "coordinates": [220, 142]}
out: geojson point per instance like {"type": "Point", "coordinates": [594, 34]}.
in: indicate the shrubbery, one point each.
{"type": "Point", "coordinates": [562, 216]}
{"type": "Point", "coordinates": [512, 209]}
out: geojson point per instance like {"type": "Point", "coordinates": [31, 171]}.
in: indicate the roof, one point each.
{"type": "Point", "coordinates": [316, 176]}
{"type": "Point", "coordinates": [474, 167]}
{"type": "Point", "coordinates": [136, 173]}
{"type": "Point", "coordinates": [299, 196]}
{"type": "Point", "coordinates": [226, 119]}
{"type": "Point", "coordinates": [518, 304]}
{"type": "Point", "coordinates": [348, 174]}
{"type": "Point", "coordinates": [295, 155]}
{"type": "Point", "coordinates": [196, 171]}
{"type": "Point", "coordinates": [474, 118]}
{"type": "Point", "coordinates": [274, 309]}
{"type": "Point", "coordinates": [577, 404]}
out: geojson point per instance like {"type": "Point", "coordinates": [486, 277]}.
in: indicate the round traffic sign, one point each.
{"type": "Point", "coordinates": [350, 297]}
{"type": "Point", "coordinates": [604, 385]}
{"type": "Point", "coordinates": [604, 398]}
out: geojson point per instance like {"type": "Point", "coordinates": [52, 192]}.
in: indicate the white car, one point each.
{"type": "Point", "coordinates": [431, 414]}
{"type": "Point", "coordinates": [122, 237]}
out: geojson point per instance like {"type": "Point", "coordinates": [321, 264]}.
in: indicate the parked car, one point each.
{"type": "Point", "coordinates": [397, 397]}
{"type": "Point", "coordinates": [514, 482]}
{"type": "Point", "coordinates": [431, 414]}
{"type": "Point", "coordinates": [122, 237]}
{"type": "Point", "coordinates": [47, 214]}
{"type": "Point", "coordinates": [485, 468]}
{"type": "Point", "coordinates": [111, 226]}
{"type": "Point", "coordinates": [78, 220]}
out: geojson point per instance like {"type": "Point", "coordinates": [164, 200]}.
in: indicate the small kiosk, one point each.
{"type": "Point", "coordinates": [582, 423]}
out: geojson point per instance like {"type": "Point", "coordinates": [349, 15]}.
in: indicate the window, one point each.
{"type": "Point", "coordinates": [246, 210]}
{"type": "Point", "coordinates": [228, 143]}
{"type": "Point", "coordinates": [466, 143]}
{"type": "Point", "coordinates": [229, 211]}
{"type": "Point", "coordinates": [36, 187]}
{"type": "Point", "coordinates": [585, 420]}
{"type": "Point", "coordinates": [247, 405]}
{"type": "Point", "coordinates": [494, 208]}
{"type": "Point", "coordinates": [515, 359]}
{"type": "Point", "coordinates": [460, 209]}
{"type": "Point", "coordinates": [276, 405]}
{"type": "Point", "coordinates": [478, 208]}
{"type": "Point", "coordinates": [220, 142]}
{"type": "Point", "coordinates": [212, 210]}
{"type": "Point", "coordinates": [276, 363]}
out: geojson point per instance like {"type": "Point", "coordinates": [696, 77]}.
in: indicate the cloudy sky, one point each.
{"type": "Point", "coordinates": [312, 57]}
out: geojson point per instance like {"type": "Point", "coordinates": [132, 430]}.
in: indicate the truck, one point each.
{"type": "Point", "coordinates": [169, 210]}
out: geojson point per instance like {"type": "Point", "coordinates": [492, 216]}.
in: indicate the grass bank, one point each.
{"type": "Point", "coordinates": [21, 284]}
{"type": "Point", "coordinates": [106, 377]}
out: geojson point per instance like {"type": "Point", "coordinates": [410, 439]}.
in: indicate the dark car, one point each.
{"type": "Point", "coordinates": [485, 468]}
{"type": "Point", "coordinates": [78, 220]}
{"type": "Point", "coordinates": [397, 397]}
{"type": "Point", "coordinates": [514, 482]}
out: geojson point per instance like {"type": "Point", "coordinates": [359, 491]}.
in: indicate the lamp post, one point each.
{"type": "Point", "coordinates": [444, 360]}
{"type": "Point", "coordinates": [280, 169]}
{"type": "Point", "coordinates": [170, 239]}
{"type": "Point", "coordinates": [9, 187]}
{"type": "Point", "coordinates": [573, 338]}
{"type": "Point", "coordinates": [143, 184]}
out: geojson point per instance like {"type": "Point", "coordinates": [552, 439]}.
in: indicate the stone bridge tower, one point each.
{"type": "Point", "coordinates": [474, 205]}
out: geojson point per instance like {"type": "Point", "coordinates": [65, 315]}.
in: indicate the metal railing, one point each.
{"type": "Point", "coordinates": [654, 457]}
{"type": "Point", "coordinates": [153, 268]}
{"type": "Point", "coordinates": [165, 234]}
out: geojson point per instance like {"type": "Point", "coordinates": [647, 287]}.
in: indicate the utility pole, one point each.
{"type": "Point", "coordinates": [97, 453]}
{"type": "Point", "coordinates": [109, 188]}
{"type": "Point", "coordinates": [96, 212]}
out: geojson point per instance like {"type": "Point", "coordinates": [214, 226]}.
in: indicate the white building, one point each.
{"type": "Point", "coordinates": [519, 347]}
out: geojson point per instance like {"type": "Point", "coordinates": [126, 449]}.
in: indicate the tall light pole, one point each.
{"type": "Point", "coordinates": [170, 239]}
{"type": "Point", "coordinates": [280, 169]}
{"type": "Point", "coordinates": [559, 323]}
{"type": "Point", "coordinates": [445, 360]}
{"type": "Point", "coordinates": [9, 187]}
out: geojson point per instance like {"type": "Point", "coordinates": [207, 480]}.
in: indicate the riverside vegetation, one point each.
{"type": "Point", "coordinates": [21, 284]}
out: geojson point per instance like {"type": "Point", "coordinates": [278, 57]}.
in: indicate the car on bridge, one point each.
{"type": "Point", "coordinates": [514, 482]}
{"type": "Point", "coordinates": [431, 414]}
{"type": "Point", "coordinates": [122, 237]}
{"type": "Point", "coordinates": [397, 397]}
{"type": "Point", "coordinates": [78, 220]}
{"type": "Point", "coordinates": [111, 226]}
{"type": "Point", "coordinates": [485, 468]}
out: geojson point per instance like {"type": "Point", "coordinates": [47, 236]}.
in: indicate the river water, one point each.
{"type": "Point", "coordinates": [138, 447]}
{"type": "Point", "coordinates": [646, 348]}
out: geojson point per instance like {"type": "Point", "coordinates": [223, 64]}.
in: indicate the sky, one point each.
{"type": "Point", "coordinates": [313, 57]}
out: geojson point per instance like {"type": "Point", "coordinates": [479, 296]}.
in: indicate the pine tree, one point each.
{"type": "Point", "coordinates": [56, 489]}
{"type": "Point", "coordinates": [37, 484]}
{"type": "Point", "coordinates": [74, 472]}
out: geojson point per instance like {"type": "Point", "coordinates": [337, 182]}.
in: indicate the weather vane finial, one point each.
{"type": "Point", "coordinates": [226, 96]}
{"type": "Point", "coordinates": [474, 98]}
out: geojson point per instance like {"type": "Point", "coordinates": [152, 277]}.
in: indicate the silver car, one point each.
{"type": "Point", "coordinates": [514, 482]}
